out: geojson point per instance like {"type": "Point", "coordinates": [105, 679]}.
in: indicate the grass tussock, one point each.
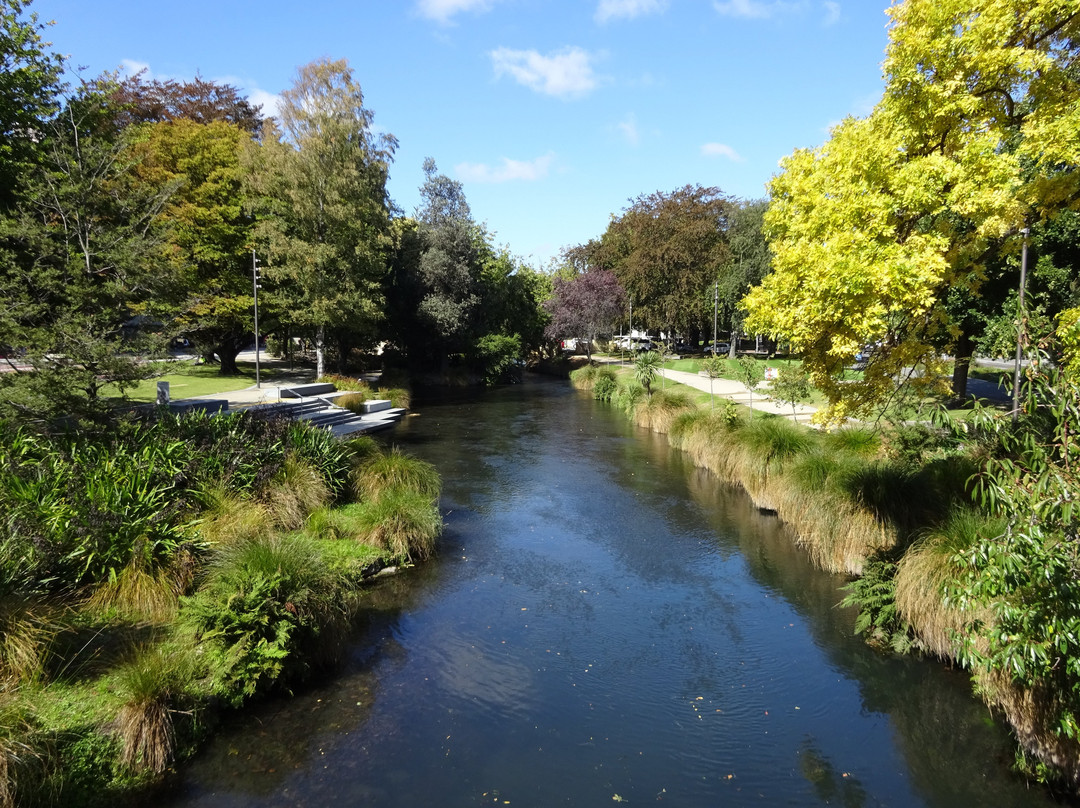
{"type": "Point", "coordinates": [141, 592]}
{"type": "Point", "coordinates": [354, 402]}
{"type": "Point", "coordinates": [660, 410]}
{"type": "Point", "coordinates": [230, 517]}
{"type": "Point", "coordinates": [1033, 715]}
{"type": "Point", "coordinates": [584, 377]}
{"type": "Point", "coordinates": [402, 522]}
{"type": "Point", "coordinates": [298, 491]}
{"type": "Point", "coordinates": [393, 470]}
{"type": "Point", "coordinates": [154, 683]}
{"type": "Point", "coordinates": [26, 631]}
{"type": "Point", "coordinates": [925, 573]}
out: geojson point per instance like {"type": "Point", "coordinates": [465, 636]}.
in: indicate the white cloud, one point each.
{"type": "Point", "coordinates": [756, 9]}
{"type": "Point", "coordinates": [443, 10]}
{"type": "Point", "coordinates": [268, 101]}
{"type": "Point", "coordinates": [628, 9]}
{"type": "Point", "coordinates": [721, 150]}
{"type": "Point", "coordinates": [832, 12]}
{"type": "Point", "coordinates": [564, 73]}
{"type": "Point", "coordinates": [133, 68]}
{"type": "Point", "coordinates": [508, 170]}
{"type": "Point", "coordinates": [630, 130]}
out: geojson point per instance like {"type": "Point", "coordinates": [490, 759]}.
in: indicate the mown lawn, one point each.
{"type": "Point", "coordinates": [188, 380]}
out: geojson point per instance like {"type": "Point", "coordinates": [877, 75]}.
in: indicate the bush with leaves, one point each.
{"type": "Point", "coordinates": [1029, 575]}
{"type": "Point", "coordinates": [791, 386]}
{"type": "Point", "coordinates": [646, 367]}
{"type": "Point", "coordinates": [267, 608]}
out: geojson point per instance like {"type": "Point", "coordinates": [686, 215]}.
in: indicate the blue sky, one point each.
{"type": "Point", "coordinates": [552, 113]}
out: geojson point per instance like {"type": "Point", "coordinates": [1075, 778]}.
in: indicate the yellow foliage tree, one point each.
{"type": "Point", "coordinates": [870, 231]}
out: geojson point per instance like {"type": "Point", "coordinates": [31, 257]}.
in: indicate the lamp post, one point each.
{"type": "Point", "coordinates": [255, 293]}
{"type": "Point", "coordinates": [715, 307]}
{"type": "Point", "coordinates": [1020, 327]}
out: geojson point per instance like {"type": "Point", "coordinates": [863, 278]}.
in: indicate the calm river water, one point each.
{"type": "Point", "coordinates": [605, 623]}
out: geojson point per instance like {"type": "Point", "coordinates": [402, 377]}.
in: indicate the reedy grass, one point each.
{"type": "Point", "coordinates": [402, 521]}
{"type": "Point", "coordinates": [298, 491]}
{"type": "Point", "coordinates": [398, 396]}
{"type": "Point", "coordinates": [926, 571]}
{"type": "Point", "coordinates": [392, 470]}
{"type": "Point", "coordinates": [628, 396]}
{"type": "Point", "coordinates": [153, 682]}
{"type": "Point", "coordinates": [230, 517]}
{"type": "Point", "coordinates": [25, 754]}
{"type": "Point", "coordinates": [27, 627]}
{"type": "Point", "coordinates": [658, 411]}
{"type": "Point", "coordinates": [348, 383]}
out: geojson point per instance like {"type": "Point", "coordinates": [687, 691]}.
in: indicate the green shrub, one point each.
{"type": "Point", "coordinates": [874, 594]}
{"type": "Point", "coordinates": [497, 356]}
{"type": "Point", "coordinates": [348, 383]}
{"type": "Point", "coordinates": [605, 386]}
{"type": "Point", "coordinates": [266, 611]}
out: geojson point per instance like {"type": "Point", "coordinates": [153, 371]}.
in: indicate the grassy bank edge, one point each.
{"type": "Point", "coordinates": [877, 506]}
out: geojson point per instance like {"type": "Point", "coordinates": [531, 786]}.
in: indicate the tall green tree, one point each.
{"type": "Point", "coordinates": [82, 262]}
{"type": "Point", "coordinates": [30, 77]}
{"type": "Point", "coordinates": [324, 215]}
{"type": "Point", "coordinates": [666, 249]}
{"type": "Point", "coordinates": [209, 235]}
{"type": "Point", "coordinates": [748, 262]}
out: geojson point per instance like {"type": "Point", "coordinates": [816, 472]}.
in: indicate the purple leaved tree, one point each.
{"type": "Point", "coordinates": [585, 306]}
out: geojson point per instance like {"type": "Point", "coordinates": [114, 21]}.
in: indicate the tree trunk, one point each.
{"type": "Point", "coordinates": [961, 365]}
{"type": "Point", "coordinates": [227, 349]}
{"type": "Point", "coordinates": [320, 351]}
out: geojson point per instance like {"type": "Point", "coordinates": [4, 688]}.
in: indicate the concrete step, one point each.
{"type": "Point", "coordinates": [376, 405]}
{"type": "Point", "coordinates": [360, 426]}
{"type": "Point", "coordinates": [307, 390]}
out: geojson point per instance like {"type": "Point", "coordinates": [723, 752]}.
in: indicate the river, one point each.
{"type": "Point", "coordinates": [605, 623]}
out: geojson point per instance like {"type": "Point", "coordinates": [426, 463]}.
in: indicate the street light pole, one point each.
{"type": "Point", "coordinates": [715, 307]}
{"type": "Point", "coordinates": [255, 292]}
{"type": "Point", "coordinates": [1020, 327]}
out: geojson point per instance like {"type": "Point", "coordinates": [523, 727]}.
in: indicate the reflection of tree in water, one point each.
{"type": "Point", "coordinates": [952, 748]}
{"type": "Point", "coordinates": [832, 787]}
{"type": "Point", "coordinates": [256, 751]}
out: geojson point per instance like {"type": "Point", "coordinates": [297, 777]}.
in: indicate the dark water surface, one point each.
{"type": "Point", "coordinates": [605, 623]}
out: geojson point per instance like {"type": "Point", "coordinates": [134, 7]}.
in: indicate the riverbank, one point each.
{"type": "Point", "coordinates": [165, 571]}
{"type": "Point", "coordinates": [895, 510]}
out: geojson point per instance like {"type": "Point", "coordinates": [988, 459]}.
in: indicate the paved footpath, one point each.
{"type": "Point", "coordinates": [727, 388]}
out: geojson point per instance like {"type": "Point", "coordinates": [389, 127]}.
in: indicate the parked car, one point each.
{"type": "Point", "coordinates": [717, 348]}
